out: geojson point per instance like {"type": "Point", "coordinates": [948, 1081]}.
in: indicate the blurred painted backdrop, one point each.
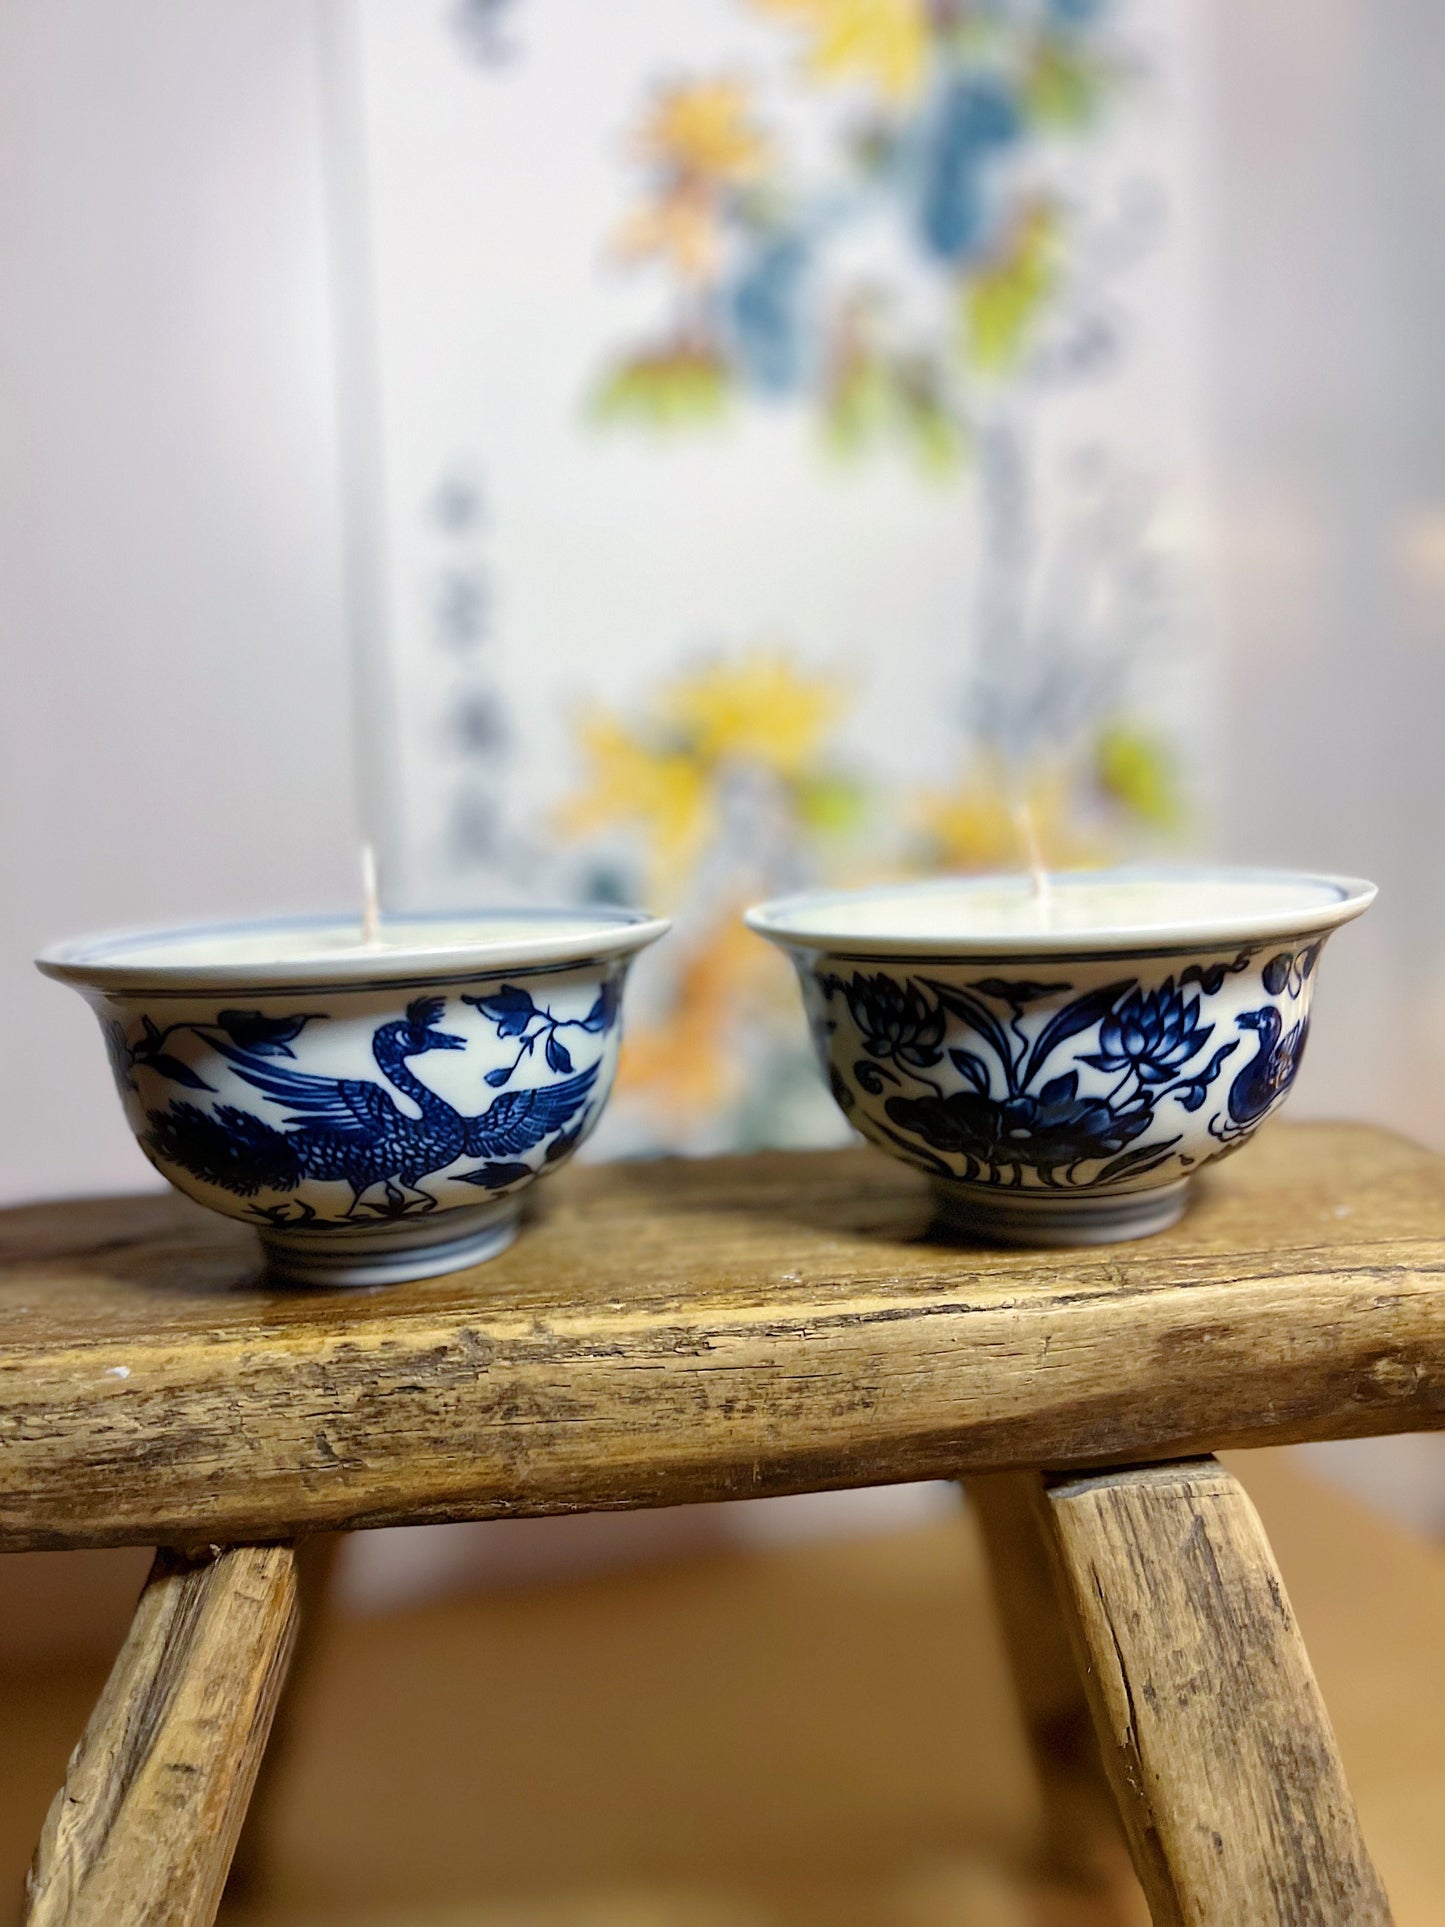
{"type": "Point", "coordinates": [782, 424]}
{"type": "Point", "coordinates": [176, 733]}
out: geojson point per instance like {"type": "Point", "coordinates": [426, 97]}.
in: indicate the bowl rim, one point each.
{"type": "Point", "coordinates": [782, 920]}
{"type": "Point", "coordinates": [98, 962]}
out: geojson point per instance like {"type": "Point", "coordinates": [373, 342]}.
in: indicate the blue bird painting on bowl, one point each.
{"type": "Point", "coordinates": [373, 1116]}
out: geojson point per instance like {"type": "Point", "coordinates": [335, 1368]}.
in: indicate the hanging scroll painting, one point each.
{"type": "Point", "coordinates": [789, 469]}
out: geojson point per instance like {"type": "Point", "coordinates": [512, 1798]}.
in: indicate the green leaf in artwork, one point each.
{"type": "Point", "coordinates": [831, 804]}
{"type": "Point", "coordinates": [676, 388]}
{"type": "Point", "coordinates": [1138, 771]}
{"type": "Point", "coordinates": [1063, 90]}
{"type": "Point", "coordinates": [1004, 302]}
{"type": "Point", "coordinates": [935, 436]}
{"type": "Point", "coordinates": [856, 407]}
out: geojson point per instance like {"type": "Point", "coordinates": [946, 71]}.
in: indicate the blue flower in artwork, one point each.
{"type": "Point", "coordinates": [1152, 1032]}
{"type": "Point", "coordinates": [896, 1020]}
{"type": "Point", "coordinates": [976, 119]}
{"type": "Point", "coordinates": [1023, 1108]}
{"type": "Point", "coordinates": [765, 309]}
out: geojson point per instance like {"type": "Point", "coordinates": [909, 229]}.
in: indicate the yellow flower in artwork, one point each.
{"type": "Point", "coordinates": [629, 779]}
{"type": "Point", "coordinates": [704, 130]}
{"type": "Point", "coordinates": [681, 227]}
{"type": "Point", "coordinates": [670, 775]}
{"type": "Point", "coordinates": [684, 1060]}
{"type": "Point", "coordinates": [882, 42]}
{"type": "Point", "coordinates": [985, 825]}
{"type": "Point", "coordinates": [756, 709]}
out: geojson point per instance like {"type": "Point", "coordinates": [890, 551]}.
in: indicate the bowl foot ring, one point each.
{"type": "Point", "coordinates": [386, 1254]}
{"type": "Point", "coordinates": [973, 1211]}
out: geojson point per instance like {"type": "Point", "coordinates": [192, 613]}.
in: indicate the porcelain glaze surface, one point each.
{"type": "Point", "coordinates": [371, 1129]}
{"type": "Point", "coordinates": [1057, 1097]}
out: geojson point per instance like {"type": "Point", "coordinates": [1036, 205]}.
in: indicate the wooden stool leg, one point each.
{"type": "Point", "coordinates": [1214, 1735]}
{"type": "Point", "coordinates": [154, 1796]}
{"type": "Point", "coordinates": [1080, 1823]}
{"type": "Point", "coordinates": [315, 1567]}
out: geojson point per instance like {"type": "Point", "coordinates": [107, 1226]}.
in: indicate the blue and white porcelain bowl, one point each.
{"type": "Point", "coordinates": [376, 1111]}
{"type": "Point", "coordinates": [1062, 1064]}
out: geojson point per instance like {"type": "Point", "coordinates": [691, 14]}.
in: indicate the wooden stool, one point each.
{"type": "Point", "coordinates": [691, 1331]}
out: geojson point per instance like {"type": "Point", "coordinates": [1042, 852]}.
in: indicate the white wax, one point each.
{"type": "Point", "coordinates": [1005, 906]}
{"type": "Point", "coordinates": [335, 950]}
{"type": "Point", "coordinates": [1090, 905]}
{"type": "Point", "coordinates": [308, 943]}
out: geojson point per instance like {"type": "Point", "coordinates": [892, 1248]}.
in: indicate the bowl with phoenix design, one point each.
{"type": "Point", "coordinates": [376, 1110]}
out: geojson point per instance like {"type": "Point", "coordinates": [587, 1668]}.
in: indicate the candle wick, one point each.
{"type": "Point", "coordinates": [1028, 836]}
{"type": "Point", "coordinates": [370, 898]}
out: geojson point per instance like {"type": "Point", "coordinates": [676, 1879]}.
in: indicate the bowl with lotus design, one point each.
{"type": "Point", "coordinates": [375, 1110]}
{"type": "Point", "coordinates": [1062, 1058]}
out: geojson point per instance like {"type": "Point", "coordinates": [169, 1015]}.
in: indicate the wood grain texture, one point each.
{"type": "Point", "coordinates": [1080, 1825]}
{"type": "Point", "coordinates": [683, 1331]}
{"type": "Point", "coordinates": [1214, 1735]}
{"type": "Point", "coordinates": [145, 1825]}
{"type": "Point", "coordinates": [252, 1861]}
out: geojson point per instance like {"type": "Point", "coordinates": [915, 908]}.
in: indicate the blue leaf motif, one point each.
{"type": "Point", "coordinates": [1073, 1018]}
{"type": "Point", "coordinates": [167, 1066]}
{"type": "Point", "coordinates": [511, 1009]}
{"type": "Point", "coordinates": [1023, 992]}
{"type": "Point", "coordinates": [977, 1016]}
{"type": "Point", "coordinates": [604, 1010]}
{"type": "Point", "coordinates": [1192, 1094]}
{"type": "Point", "coordinates": [973, 1068]}
{"type": "Point", "coordinates": [1060, 1090]}
{"type": "Point", "coordinates": [1133, 1164]}
{"type": "Point", "coordinates": [265, 1036]}
{"type": "Point", "coordinates": [499, 1076]}
{"type": "Point", "coordinates": [557, 1055]}
{"type": "Point", "coordinates": [564, 1142]}
{"type": "Point", "coordinates": [492, 1177]}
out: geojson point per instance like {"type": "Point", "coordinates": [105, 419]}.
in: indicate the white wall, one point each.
{"type": "Point", "coordinates": [1328, 405]}
{"type": "Point", "coordinates": [173, 734]}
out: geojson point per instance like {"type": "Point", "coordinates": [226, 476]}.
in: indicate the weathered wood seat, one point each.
{"type": "Point", "coordinates": [685, 1331]}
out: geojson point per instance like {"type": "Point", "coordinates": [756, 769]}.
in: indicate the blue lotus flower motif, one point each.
{"type": "Point", "coordinates": [1048, 1131]}
{"type": "Point", "coordinates": [896, 1020]}
{"type": "Point", "coordinates": [1154, 1033]}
